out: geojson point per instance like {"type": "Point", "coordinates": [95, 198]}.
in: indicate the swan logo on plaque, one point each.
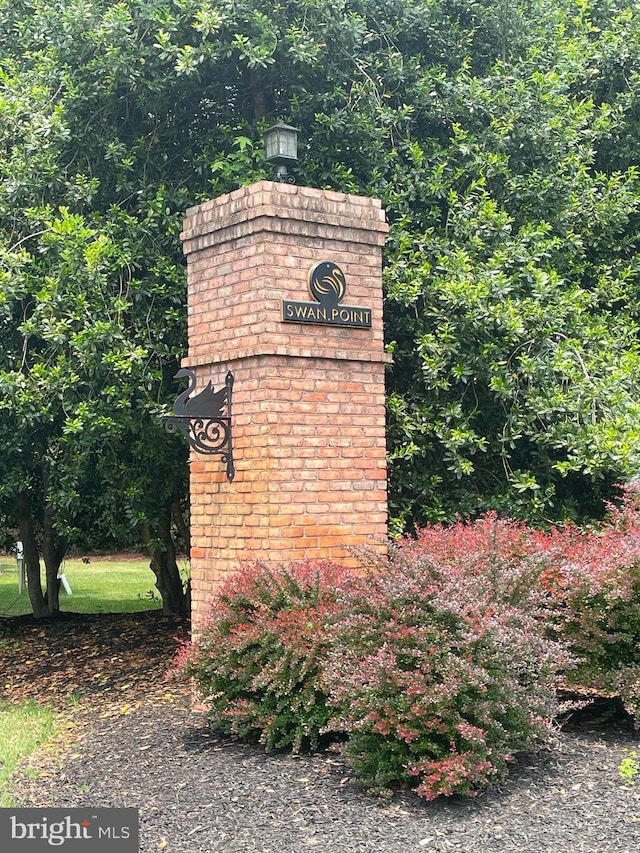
{"type": "Point", "coordinates": [327, 286]}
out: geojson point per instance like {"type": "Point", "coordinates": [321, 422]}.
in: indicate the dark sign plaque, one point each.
{"type": "Point", "coordinates": [327, 286]}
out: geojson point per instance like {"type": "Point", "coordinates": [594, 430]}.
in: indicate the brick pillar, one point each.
{"type": "Point", "coordinates": [308, 398]}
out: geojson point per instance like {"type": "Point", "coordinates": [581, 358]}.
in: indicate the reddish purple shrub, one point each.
{"type": "Point", "coordinates": [594, 579]}
{"type": "Point", "coordinates": [501, 560]}
{"type": "Point", "coordinates": [441, 660]}
{"type": "Point", "coordinates": [438, 670]}
{"type": "Point", "coordinates": [259, 660]}
{"type": "Point", "coordinates": [585, 585]}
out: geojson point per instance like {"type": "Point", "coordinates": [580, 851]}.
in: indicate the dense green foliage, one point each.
{"type": "Point", "coordinates": [503, 142]}
{"type": "Point", "coordinates": [513, 277]}
{"type": "Point", "coordinates": [92, 300]}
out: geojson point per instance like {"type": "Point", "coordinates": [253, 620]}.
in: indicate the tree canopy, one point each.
{"type": "Point", "coordinates": [503, 140]}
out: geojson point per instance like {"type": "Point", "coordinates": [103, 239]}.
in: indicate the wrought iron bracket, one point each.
{"type": "Point", "coordinates": [205, 419]}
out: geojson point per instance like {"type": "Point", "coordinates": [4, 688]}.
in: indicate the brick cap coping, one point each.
{"type": "Point", "coordinates": [264, 206]}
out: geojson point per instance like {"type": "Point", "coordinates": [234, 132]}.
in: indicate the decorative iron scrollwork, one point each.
{"type": "Point", "coordinates": [201, 421]}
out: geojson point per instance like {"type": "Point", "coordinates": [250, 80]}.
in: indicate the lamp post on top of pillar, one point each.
{"type": "Point", "coordinates": [281, 149]}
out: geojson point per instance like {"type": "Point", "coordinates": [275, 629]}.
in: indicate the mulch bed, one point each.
{"type": "Point", "coordinates": [106, 657]}
{"type": "Point", "coordinates": [137, 740]}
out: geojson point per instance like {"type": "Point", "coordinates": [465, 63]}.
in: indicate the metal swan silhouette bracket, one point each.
{"type": "Point", "coordinates": [201, 421]}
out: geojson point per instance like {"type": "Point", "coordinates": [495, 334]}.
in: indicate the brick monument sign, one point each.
{"type": "Point", "coordinates": [285, 295]}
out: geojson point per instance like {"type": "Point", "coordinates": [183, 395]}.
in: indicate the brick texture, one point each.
{"type": "Point", "coordinates": [308, 400]}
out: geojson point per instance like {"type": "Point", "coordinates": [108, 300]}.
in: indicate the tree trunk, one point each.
{"type": "Point", "coordinates": [178, 519]}
{"type": "Point", "coordinates": [54, 547]}
{"type": "Point", "coordinates": [164, 565]}
{"type": "Point", "coordinates": [31, 555]}
{"type": "Point", "coordinates": [183, 528]}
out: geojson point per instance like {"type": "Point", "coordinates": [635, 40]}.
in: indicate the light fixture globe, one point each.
{"type": "Point", "coordinates": [281, 149]}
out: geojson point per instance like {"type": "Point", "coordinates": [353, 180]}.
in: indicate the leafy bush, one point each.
{"type": "Point", "coordinates": [259, 660]}
{"type": "Point", "coordinates": [441, 659]}
{"type": "Point", "coordinates": [586, 584]}
{"type": "Point", "coordinates": [438, 669]}
{"type": "Point", "coordinates": [594, 579]}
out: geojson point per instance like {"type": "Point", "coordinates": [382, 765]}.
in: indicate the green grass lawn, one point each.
{"type": "Point", "coordinates": [99, 586]}
{"type": "Point", "coordinates": [25, 728]}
